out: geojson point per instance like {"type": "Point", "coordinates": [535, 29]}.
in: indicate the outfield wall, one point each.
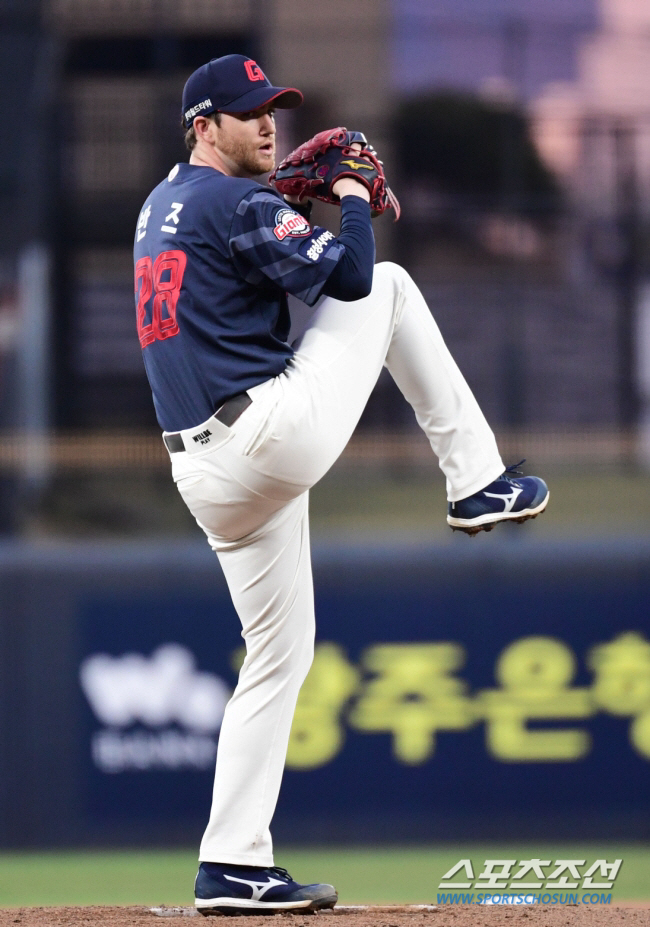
{"type": "Point", "coordinates": [485, 689]}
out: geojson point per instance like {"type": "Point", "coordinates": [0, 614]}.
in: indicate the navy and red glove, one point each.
{"type": "Point", "coordinates": [312, 170]}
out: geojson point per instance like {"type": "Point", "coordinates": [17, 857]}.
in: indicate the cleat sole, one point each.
{"type": "Point", "coordinates": [239, 906]}
{"type": "Point", "coordinates": [476, 526]}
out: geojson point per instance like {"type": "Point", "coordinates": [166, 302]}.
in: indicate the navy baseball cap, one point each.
{"type": "Point", "coordinates": [232, 84]}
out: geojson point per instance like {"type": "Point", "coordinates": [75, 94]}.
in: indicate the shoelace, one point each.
{"type": "Point", "coordinates": [513, 468]}
{"type": "Point", "coordinates": [281, 872]}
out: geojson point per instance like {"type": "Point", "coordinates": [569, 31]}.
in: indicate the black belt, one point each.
{"type": "Point", "coordinates": [227, 414]}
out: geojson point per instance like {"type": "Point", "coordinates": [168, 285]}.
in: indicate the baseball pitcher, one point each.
{"type": "Point", "coordinates": [251, 422]}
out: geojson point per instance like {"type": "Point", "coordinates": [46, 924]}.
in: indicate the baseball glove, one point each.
{"type": "Point", "coordinates": [313, 169]}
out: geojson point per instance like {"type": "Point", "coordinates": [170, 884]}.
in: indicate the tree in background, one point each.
{"type": "Point", "coordinates": [476, 150]}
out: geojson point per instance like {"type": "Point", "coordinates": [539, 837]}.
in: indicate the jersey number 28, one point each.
{"type": "Point", "coordinates": [163, 278]}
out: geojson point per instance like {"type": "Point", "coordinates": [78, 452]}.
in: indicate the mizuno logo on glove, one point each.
{"type": "Point", "coordinates": [356, 165]}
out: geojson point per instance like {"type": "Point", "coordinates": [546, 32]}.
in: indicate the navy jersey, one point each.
{"type": "Point", "coordinates": [215, 257]}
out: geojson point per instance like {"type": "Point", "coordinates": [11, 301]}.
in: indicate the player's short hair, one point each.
{"type": "Point", "coordinates": [190, 134]}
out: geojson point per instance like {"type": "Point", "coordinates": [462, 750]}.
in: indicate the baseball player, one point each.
{"type": "Point", "coordinates": [252, 422]}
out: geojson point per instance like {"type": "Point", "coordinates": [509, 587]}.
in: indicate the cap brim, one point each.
{"type": "Point", "coordinates": [284, 98]}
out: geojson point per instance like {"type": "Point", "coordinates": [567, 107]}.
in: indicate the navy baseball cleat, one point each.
{"type": "Point", "coordinates": [226, 889]}
{"type": "Point", "coordinates": [506, 499]}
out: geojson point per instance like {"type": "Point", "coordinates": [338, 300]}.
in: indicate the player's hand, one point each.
{"type": "Point", "coordinates": [348, 186]}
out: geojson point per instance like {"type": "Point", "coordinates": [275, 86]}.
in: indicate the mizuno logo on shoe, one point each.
{"type": "Point", "coordinates": [257, 888]}
{"type": "Point", "coordinates": [508, 499]}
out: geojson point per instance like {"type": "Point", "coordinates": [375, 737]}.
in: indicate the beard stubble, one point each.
{"type": "Point", "coordinates": [247, 156]}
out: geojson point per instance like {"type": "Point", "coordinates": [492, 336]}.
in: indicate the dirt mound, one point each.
{"type": "Point", "coordinates": [346, 916]}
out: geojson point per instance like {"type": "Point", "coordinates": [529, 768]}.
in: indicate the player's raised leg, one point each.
{"type": "Point", "coordinates": [415, 343]}
{"type": "Point", "coordinates": [328, 382]}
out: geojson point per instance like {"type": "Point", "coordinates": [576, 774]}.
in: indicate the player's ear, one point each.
{"type": "Point", "coordinates": [204, 127]}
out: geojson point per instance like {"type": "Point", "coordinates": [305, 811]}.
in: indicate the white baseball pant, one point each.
{"type": "Point", "coordinates": [248, 490]}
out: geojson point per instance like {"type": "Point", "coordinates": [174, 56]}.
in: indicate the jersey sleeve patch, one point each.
{"type": "Point", "coordinates": [288, 222]}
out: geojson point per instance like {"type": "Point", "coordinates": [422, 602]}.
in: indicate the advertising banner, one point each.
{"type": "Point", "coordinates": [483, 692]}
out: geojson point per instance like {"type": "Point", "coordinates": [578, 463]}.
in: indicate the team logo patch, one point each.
{"type": "Point", "coordinates": [288, 222]}
{"type": "Point", "coordinates": [317, 246]}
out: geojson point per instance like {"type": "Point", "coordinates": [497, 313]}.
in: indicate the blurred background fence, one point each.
{"type": "Point", "coordinates": [517, 136]}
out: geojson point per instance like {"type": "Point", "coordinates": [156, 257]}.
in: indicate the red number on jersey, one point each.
{"type": "Point", "coordinates": [172, 265]}
{"type": "Point", "coordinates": [169, 265]}
{"type": "Point", "coordinates": [143, 284]}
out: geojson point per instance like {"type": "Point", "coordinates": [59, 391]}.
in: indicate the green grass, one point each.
{"type": "Point", "coordinates": [361, 875]}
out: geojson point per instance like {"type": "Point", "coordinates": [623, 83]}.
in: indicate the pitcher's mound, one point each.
{"type": "Point", "coordinates": [344, 915]}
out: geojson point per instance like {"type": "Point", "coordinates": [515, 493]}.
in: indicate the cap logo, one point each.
{"type": "Point", "coordinates": [253, 70]}
{"type": "Point", "coordinates": [199, 107]}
